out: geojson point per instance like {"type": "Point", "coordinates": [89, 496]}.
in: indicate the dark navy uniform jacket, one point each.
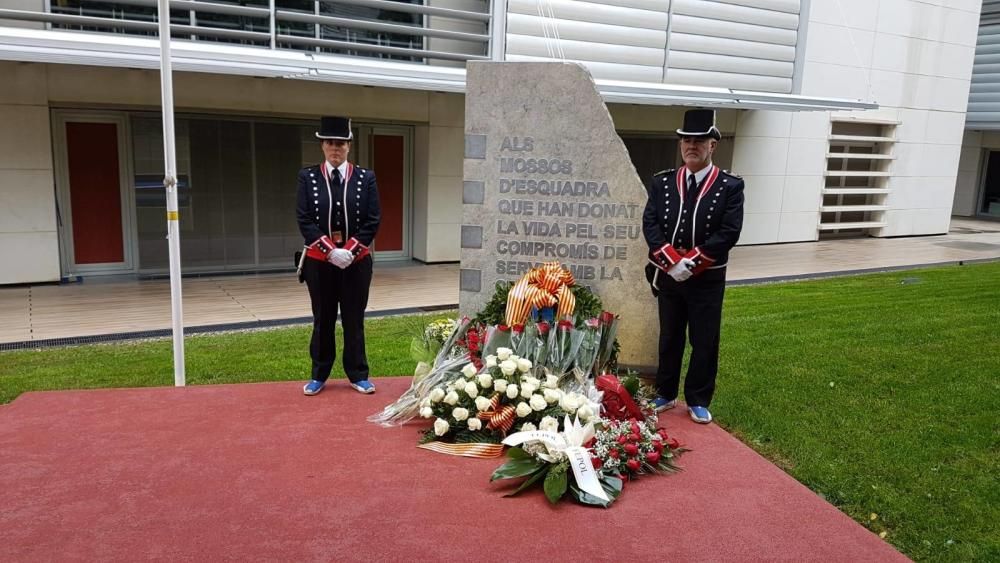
{"type": "Point", "coordinates": [702, 226]}
{"type": "Point", "coordinates": [353, 210]}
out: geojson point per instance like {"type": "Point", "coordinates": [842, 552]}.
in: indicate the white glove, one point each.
{"type": "Point", "coordinates": [681, 271]}
{"type": "Point", "coordinates": [340, 257]}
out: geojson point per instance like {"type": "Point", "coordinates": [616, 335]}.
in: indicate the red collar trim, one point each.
{"type": "Point", "coordinates": [681, 182]}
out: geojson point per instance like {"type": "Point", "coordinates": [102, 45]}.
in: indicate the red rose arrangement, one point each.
{"type": "Point", "coordinates": [629, 448]}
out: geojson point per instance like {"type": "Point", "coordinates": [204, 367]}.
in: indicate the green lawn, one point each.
{"type": "Point", "coordinates": [880, 392]}
{"type": "Point", "coordinates": [254, 356]}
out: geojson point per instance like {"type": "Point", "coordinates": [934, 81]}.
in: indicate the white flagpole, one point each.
{"type": "Point", "coordinates": [170, 183]}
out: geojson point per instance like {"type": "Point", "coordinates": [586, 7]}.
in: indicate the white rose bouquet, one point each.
{"type": "Point", "coordinates": [485, 405]}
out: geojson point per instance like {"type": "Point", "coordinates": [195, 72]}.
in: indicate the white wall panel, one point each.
{"type": "Point", "coordinates": [858, 15]}
{"type": "Point", "coordinates": [534, 25]}
{"type": "Point", "coordinates": [762, 123]}
{"type": "Point", "coordinates": [27, 203]}
{"type": "Point", "coordinates": [796, 227]}
{"type": "Point", "coordinates": [763, 193]}
{"type": "Point", "coordinates": [832, 44]}
{"type": "Point", "coordinates": [591, 51]}
{"type": "Point", "coordinates": [35, 257]}
{"type": "Point", "coordinates": [913, 18]}
{"type": "Point", "coordinates": [760, 228]}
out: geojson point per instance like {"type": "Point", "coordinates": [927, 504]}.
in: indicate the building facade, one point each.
{"type": "Point", "coordinates": [977, 192]}
{"type": "Point", "coordinates": [845, 117]}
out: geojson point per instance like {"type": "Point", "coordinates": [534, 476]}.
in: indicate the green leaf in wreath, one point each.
{"type": "Point", "coordinates": [493, 312]}
{"type": "Point", "coordinates": [612, 486]}
{"type": "Point", "coordinates": [517, 453]}
{"type": "Point", "coordinates": [531, 480]}
{"type": "Point", "coordinates": [631, 384]}
{"type": "Point", "coordinates": [555, 483]}
{"type": "Point", "coordinates": [476, 437]}
{"type": "Point", "coordinates": [587, 498]}
{"type": "Point", "coordinates": [517, 468]}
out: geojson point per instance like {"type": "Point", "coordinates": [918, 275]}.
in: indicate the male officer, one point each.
{"type": "Point", "coordinates": [692, 218]}
{"type": "Point", "coordinates": [338, 214]}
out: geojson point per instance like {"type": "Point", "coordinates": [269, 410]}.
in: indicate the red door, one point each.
{"type": "Point", "coordinates": [95, 193]}
{"type": "Point", "coordinates": [389, 163]}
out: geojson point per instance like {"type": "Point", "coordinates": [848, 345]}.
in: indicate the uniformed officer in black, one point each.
{"type": "Point", "coordinates": [692, 219]}
{"type": "Point", "coordinates": [338, 214]}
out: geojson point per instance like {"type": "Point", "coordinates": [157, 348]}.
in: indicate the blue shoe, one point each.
{"type": "Point", "coordinates": [364, 386]}
{"type": "Point", "coordinates": [700, 415]}
{"type": "Point", "coordinates": [661, 404]}
{"type": "Point", "coordinates": [313, 387]}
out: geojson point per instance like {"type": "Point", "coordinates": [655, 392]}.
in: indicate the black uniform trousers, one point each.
{"type": "Point", "coordinates": [693, 307]}
{"type": "Point", "coordinates": [331, 288]}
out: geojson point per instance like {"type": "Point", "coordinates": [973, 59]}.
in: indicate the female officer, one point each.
{"type": "Point", "coordinates": [338, 215]}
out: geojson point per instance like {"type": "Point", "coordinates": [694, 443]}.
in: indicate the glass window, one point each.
{"type": "Point", "coordinates": [202, 18]}
{"type": "Point", "coordinates": [991, 188]}
{"type": "Point", "coordinates": [112, 11]}
{"type": "Point", "coordinates": [236, 192]}
{"type": "Point", "coordinates": [282, 149]}
{"type": "Point", "coordinates": [150, 196]}
{"type": "Point", "coordinates": [214, 196]}
{"type": "Point", "coordinates": [651, 154]}
{"type": "Point", "coordinates": [354, 34]}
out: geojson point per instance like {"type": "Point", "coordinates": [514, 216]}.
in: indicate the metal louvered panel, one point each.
{"type": "Point", "coordinates": [614, 39]}
{"type": "Point", "coordinates": [607, 71]}
{"type": "Point", "coordinates": [742, 44]}
{"type": "Point", "coordinates": [733, 47]}
{"type": "Point", "coordinates": [753, 82]}
{"type": "Point", "coordinates": [984, 93]}
{"type": "Point", "coordinates": [585, 50]}
{"type": "Point", "coordinates": [708, 27]}
{"type": "Point", "coordinates": [594, 12]}
{"type": "Point", "coordinates": [737, 44]}
{"type": "Point", "coordinates": [535, 25]}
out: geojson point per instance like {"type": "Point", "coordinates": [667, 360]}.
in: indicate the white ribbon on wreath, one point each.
{"type": "Point", "coordinates": [567, 443]}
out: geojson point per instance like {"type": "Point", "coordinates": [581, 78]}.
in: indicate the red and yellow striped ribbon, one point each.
{"type": "Point", "coordinates": [498, 418]}
{"type": "Point", "coordinates": [479, 451]}
{"type": "Point", "coordinates": [545, 286]}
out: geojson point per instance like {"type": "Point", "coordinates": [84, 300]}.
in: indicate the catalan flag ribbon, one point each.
{"type": "Point", "coordinates": [477, 450]}
{"type": "Point", "coordinates": [545, 286]}
{"type": "Point", "coordinates": [497, 417]}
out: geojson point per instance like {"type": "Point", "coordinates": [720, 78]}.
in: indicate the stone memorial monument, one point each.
{"type": "Point", "coordinates": [546, 178]}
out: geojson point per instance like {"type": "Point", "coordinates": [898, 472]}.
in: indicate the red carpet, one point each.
{"type": "Point", "coordinates": [260, 472]}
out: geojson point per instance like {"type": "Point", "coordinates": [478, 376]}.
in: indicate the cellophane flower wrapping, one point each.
{"type": "Point", "coordinates": [451, 358]}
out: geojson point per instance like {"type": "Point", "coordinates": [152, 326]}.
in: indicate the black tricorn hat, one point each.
{"type": "Point", "coordinates": [699, 123]}
{"type": "Point", "coordinates": [336, 128]}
